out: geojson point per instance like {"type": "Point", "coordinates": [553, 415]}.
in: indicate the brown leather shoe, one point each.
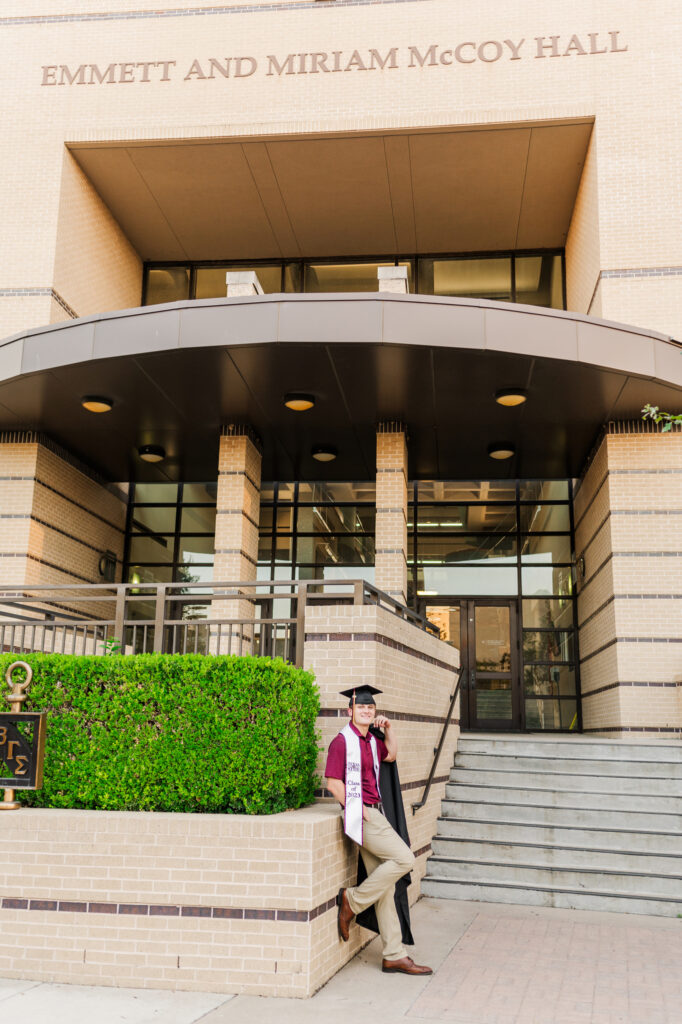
{"type": "Point", "coordinates": [404, 966]}
{"type": "Point", "coordinates": [345, 915]}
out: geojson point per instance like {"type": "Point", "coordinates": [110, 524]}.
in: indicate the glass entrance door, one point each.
{"type": "Point", "coordinates": [485, 632]}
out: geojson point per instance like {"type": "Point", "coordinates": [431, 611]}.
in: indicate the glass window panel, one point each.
{"type": "Point", "coordinates": [197, 494]}
{"type": "Point", "coordinates": [447, 618]}
{"type": "Point", "coordinates": [475, 278]}
{"type": "Point", "coordinates": [293, 277]}
{"type": "Point", "coordinates": [283, 547]}
{"type": "Point", "coordinates": [543, 490]}
{"type": "Point", "coordinates": [493, 639]}
{"type": "Point", "coordinates": [161, 494]}
{"type": "Point", "coordinates": [544, 518]}
{"type": "Point", "coordinates": [348, 277]}
{"type": "Point", "coordinates": [475, 581]}
{"type": "Point", "coordinates": [481, 547]}
{"type": "Point", "coordinates": [196, 549]}
{"type": "Point", "coordinates": [331, 550]}
{"type": "Point", "coordinates": [551, 646]}
{"type": "Point", "coordinates": [545, 547]}
{"type": "Point", "coordinates": [550, 714]}
{"type": "Point", "coordinates": [211, 284]}
{"type": "Point", "coordinates": [336, 519]}
{"type": "Point", "coordinates": [265, 548]}
{"type": "Point", "coordinates": [539, 280]}
{"type": "Point", "coordinates": [267, 492]}
{"type": "Point", "coordinates": [167, 284]}
{"type": "Point", "coordinates": [435, 491]}
{"type": "Point", "coordinates": [325, 493]}
{"type": "Point", "coordinates": [158, 520]}
{"type": "Point", "coordinates": [265, 518]}
{"type": "Point", "coordinates": [493, 698]}
{"type": "Point", "coordinates": [285, 519]}
{"type": "Point", "coordinates": [549, 680]}
{"type": "Point", "coordinates": [149, 574]}
{"type": "Point", "coordinates": [197, 520]}
{"type": "Point", "coordinates": [546, 580]}
{"type": "Point", "coordinates": [194, 612]}
{"type": "Point", "coordinates": [487, 518]}
{"type": "Point", "coordinates": [285, 492]}
{"type": "Point", "coordinates": [336, 572]}
{"type": "Point", "coordinates": [547, 612]}
{"type": "Point", "coordinates": [151, 548]}
{"type": "Point", "coordinates": [195, 574]}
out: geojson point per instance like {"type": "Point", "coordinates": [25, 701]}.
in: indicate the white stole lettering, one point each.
{"type": "Point", "coordinates": [352, 815]}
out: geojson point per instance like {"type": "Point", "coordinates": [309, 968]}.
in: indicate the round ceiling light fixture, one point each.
{"type": "Point", "coordinates": [511, 397]}
{"type": "Point", "coordinates": [298, 401]}
{"type": "Point", "coordinates": [97, 403]}
{"type": "Point", "coordinates": [151, 453]}
{"type": "Point", "coordinates": [324, 453]}
{"type": "Point", "coordinates": [501, 450]}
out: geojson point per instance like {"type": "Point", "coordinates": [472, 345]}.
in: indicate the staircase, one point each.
{"type": "Point", "coordinates": [561, 822]}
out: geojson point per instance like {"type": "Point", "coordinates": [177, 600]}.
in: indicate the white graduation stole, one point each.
{"type": "Point", "coordinates": [352, 816]}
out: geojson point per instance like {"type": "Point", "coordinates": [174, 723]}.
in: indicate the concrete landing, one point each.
{"type": "Point", "coordinates": [494, 964]}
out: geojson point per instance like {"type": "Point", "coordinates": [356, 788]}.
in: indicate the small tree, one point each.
{"type": "Point", "coordinates": [652, 412]}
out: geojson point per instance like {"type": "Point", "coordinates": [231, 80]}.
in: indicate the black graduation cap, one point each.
{"type": "Point", "coordinates": [362, 694]}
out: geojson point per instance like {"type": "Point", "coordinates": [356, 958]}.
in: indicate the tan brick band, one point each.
{"type": "Point", "coordinates": [379, 639]}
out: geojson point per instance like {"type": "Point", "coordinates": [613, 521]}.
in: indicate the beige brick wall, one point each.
{"type": "Point", "coordinates": [628, 514]}
{"type": "Point", "coordinates": [168, 879]}
{"type": "Point", "coordinates": [391, 506]}
{"type": "Point", "coordinates": [631, 182]}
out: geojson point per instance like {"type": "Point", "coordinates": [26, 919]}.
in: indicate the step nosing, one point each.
{"type": "Point", "coordinates": [553, 846]}
{"type": "Point", "coordinates": [607, 894]}
{"type": "Point", "coordinates": [545, 789]}
{"type": "Point", "coordinates": [435, 859]}
{"type": "Point", "coordinates": [571, 807]}
{"type": "Point", "coordinates": [580, 828]}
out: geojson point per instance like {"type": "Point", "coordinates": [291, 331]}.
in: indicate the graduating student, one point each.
{"type": "Point", "coordinates": [353, 778]}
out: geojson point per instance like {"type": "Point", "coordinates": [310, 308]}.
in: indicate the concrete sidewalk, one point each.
{"type": "Point", "coordinates": [495, 964]}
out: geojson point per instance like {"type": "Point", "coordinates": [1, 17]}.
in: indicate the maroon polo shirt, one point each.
{"type": "Point", "coordinates": [336, 763]}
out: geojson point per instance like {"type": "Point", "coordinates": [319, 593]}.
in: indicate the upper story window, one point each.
{"type": "Point", "coordinates": [533, 278]}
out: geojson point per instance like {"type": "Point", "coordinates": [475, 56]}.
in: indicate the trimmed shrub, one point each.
{"type": "Point", "coordinates": [174, 732]}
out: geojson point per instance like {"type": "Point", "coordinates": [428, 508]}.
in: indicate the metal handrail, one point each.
{"type": "Point", "coordinates": [437, 750]}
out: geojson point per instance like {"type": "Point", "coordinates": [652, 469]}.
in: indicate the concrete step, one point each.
{"type": "Point", "coordinates": [568, 746]}
{"type": "Point", "coordinates": [569, 899]}
{"type": "Point", "coordinates": [577, 816]}
{"type": "Point", "coordinates": [550, 797]}
{"type": "Point", "coordinates": [569, 835]}
{"type": "Point", "coordinates": [535, 875]}
{"type": "Point", "coordinates": [558, 780]}
{"type": "Point", "coordinates": [574, 766]}
{"type": "Point", "coordinates": [553, 855]}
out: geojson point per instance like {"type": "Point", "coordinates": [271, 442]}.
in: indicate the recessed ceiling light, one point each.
{"type": "Point", "coordinates": [298, 401]}
{"type": "Point", "coordinates": [151, 453]}
{"type": "Point", "coordinates": [501, 450]}
{"type": "Point", "coordinates": [511, 397]}
{"type": "Point", "coordinates": [97, 403]}
{"type": "Point", "coordinates": [324, 453]}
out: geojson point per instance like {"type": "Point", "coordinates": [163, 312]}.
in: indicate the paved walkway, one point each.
{"type": "Point", "coordinates": [495, 964]}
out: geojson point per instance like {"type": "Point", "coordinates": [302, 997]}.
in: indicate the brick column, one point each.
{"type": "Point", "coordinates": [391, 525]}
{"type": "Point", "coordinates": [236, 534]}
{"type": "Point", "coordinates": [628, 514]}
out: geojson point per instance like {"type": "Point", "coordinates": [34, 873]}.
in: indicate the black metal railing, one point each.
{"type": "Point", "coordinates": [265, 617]}
{"type": "Point", "coordinates": [438, 750]}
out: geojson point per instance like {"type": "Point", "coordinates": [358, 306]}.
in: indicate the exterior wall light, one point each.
{"type": "Point", "coordinates": [97, 403]}
{"type": "Point", "coordinates": [501, 450]}
{"type": "Point", "coordinates": [151, 453]}
{"type": "Point", "coordinates": [298, 401]}
{"type": "Point", "coordinates": [510, 397]}
{"type": "Point", "coordinates": [324, 453]}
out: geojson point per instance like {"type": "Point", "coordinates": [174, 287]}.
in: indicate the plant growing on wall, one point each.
{"type": "Point", "coordinates": [668, 419]}
{"type": "Point", "coordinates": [158, 732]}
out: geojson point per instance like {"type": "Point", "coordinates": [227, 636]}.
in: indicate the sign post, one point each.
{"type": "Point", "coordinates": [22, 740]}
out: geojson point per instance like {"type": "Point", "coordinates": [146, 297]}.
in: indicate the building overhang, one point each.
{"type": "Point", "coordinates": [176, 373]}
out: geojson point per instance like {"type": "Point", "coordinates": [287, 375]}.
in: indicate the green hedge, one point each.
{"type": "Point", "coordinates": [157, 732]}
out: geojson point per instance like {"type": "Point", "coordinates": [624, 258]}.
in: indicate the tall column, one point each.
{"type": "Point", "coordinates": [236, 533]}
{"type": "Point", "coordinates": [627, 514]}
{"type": "Point", "coordinates": [391, 523]}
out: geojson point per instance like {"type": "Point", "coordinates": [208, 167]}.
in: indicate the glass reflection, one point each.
{"type": "Point", "coordinates": [488, 518]}
{"type": "Point", "coordinates": [547, 612]}
{"type": "Point", "coordinates": [546, 581]}
{"type": "Point", "coordinates": [547, 646]}
{"type": "Point", "coordinates": [544, 547]}
{"type": "Point", "coordinates": [211, 283]}
{"type": "Point", "coordinates": [483, 547]}
{"type": "Point", "coordinates": [542, 713]}
{"type": "Point", "coordinates": [348, 277]}
{"type": "Point", "coordinates": [549, 680]}
{"type": "Point", "coordinates": [480, 278]}
{"type": "Point", "coordinates": [544, 518]}
{"type": "Point", "coordinates": [166, 284]}
{"type": "Point", "coordinates": [475, 581]}
{"type": "Point", "coordinates": [156, 520]}
{"type": "Point", "coordinates": [539, 280]}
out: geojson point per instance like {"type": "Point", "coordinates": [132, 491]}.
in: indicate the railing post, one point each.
{"type": "Point", "coordinates": [359, 592]}
{"type": "Point", "coordinates": [120, 615]}
{"type": "Point", "coordinates": [159, 616]}
{"type": "Point", "coordinates": [302, 594]}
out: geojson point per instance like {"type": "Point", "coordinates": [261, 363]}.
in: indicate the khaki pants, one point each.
{"type": "Point", "coordinates": [387, 858]}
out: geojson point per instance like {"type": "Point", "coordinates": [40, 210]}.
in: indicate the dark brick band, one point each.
{"type": "Point", "coordinates": [166, 910]}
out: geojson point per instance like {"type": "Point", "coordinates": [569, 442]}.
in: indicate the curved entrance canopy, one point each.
{"type": "Point", "coordinates": [177, 372]}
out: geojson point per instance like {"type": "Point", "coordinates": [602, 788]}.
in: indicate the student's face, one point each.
{"type": "Point", "coordinates": [364, 713]}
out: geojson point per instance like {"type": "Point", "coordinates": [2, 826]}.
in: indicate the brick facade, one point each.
{"type": "Point", "coordinates": [391, 521]}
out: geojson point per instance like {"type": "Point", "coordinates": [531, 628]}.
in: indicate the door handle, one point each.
{"type": "Point", "coordinates": [472, 678]}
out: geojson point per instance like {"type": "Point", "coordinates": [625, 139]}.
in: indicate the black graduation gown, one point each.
{"type": "Point", "coordinates": [392, 800]}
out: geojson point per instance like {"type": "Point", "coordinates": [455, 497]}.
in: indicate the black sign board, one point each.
{"type": "Point", "coordinates": [22, 744]}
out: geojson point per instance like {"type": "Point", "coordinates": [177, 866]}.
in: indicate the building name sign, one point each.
{"type": "Point", "coordinates": [335, 61]}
